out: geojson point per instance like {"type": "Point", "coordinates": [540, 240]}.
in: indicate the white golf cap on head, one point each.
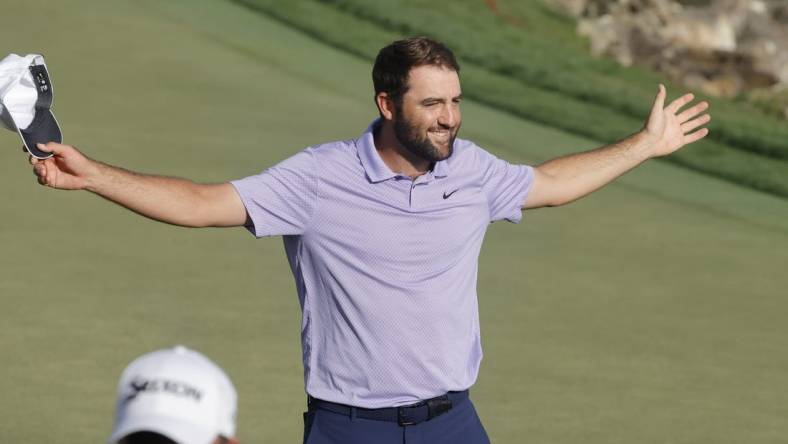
{"type": "Point", "coordinates": [25, 101]}
{"type": "Point", "coordinates": [177, 393]}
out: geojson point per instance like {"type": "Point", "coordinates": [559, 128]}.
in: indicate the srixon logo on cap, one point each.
{"type": "Point", "coordinates": [176, 388]}
{"type": "Point", "coordinates": [41, 78]}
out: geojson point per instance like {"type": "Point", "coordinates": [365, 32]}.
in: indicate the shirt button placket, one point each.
{"type": "Point", "coordinates": [421, 180]}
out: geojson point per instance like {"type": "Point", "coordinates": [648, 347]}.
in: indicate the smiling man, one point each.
{"type": "Point", "coordinates": [383, 234]}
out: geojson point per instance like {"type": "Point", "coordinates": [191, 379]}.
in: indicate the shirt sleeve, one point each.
{"type": "Point", "coordinates": [506, 186]}
{"type": "Point", "coordinates": [281, 199]}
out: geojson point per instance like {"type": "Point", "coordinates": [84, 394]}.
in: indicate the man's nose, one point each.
{"type": "Point", "coordinates": [448, 116]}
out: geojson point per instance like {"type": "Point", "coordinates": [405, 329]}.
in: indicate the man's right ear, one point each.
{"type": "Point", "coordinates": [385, 105]}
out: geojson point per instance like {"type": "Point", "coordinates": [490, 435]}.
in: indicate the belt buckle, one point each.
{"type": "Point", "coordinates": [402, 420]}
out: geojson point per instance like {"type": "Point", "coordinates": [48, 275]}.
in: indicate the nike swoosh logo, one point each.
{"type": "Point", "coordinates": [446, 196]}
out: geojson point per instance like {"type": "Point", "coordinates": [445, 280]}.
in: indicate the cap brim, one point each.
{"type": "Point", "coordinates": [43, 129]}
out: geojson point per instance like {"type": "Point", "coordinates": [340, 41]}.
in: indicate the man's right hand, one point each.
{"type": "Point", "coordinates": [67, 169]}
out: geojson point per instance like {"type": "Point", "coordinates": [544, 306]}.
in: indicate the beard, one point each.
{"type": "Point", "coordinates": [417, 143]}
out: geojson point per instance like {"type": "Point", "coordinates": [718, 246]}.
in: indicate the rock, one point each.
{"type": "Point", "coordinates": [723, 47]}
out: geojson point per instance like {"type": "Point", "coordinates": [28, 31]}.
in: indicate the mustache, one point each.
{"type": "Point", "coordinates": [440, 127]}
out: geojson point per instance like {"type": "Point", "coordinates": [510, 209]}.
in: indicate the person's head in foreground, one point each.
{"type": "Point", "coordinates": [174, 396]}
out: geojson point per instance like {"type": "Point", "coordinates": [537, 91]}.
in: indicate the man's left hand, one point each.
{"type": "Point", "coordinates": [667, 129]}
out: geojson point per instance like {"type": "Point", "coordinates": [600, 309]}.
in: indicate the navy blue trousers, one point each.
{"type": "Point", "coordinates": [461, 424]}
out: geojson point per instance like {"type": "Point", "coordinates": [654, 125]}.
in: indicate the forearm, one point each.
{"type": "Point", "coordinates": [167, 199]}
{"type": "Point", "coordinates": [562, 180]}
{"type": "Point", "coordinates": [568, 178]}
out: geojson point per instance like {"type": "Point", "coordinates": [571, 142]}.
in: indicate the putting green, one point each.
{"type": "Point", "coordinates": [651, 311]}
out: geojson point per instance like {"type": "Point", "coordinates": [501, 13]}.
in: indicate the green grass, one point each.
{"type": "Point", "coordinates": [651, 311]}
{"type": "Point", "coordinates": [529, 63]}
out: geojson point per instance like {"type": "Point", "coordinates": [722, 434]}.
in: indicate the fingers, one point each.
{"type": "Point", "coordinates": [659, 101]}
{"type": "Point", "coordinates": [697, 135]}
{"type": "Point", "coordinates": [692, 112]}
{"type": "Point", "coordinates": [46, 171]}
{"type": "Point", "coordinates": [678, 103]}
{"type": "Point", "coordinates": [694, 123]}
{"type": "Point", "coordinates": [42, 180]}
{"type": "Point", "coordinates": [46, 147]}
{"type": "Point", "coordinates": [40, 170]}
{"type": "Point", "coordinates": [52, 147]}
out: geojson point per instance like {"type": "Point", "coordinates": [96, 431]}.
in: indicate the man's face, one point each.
{"type": "Point", "coordinates": [428, 119]}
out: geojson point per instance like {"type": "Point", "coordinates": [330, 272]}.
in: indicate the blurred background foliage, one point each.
{"type": "Point", "coordinates": [524, 57]}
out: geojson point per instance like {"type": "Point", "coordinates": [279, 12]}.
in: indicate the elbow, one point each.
{"type": "Point", "coordinates": [561, 200]}
{"type": "Point", "coordinates": [545, 191]}
{"type": "Point", "coordinates": [200, 213]}
{"type": "Point", "coordinates": [191, 220]}
{"type": "Point", "coordinates": [548, 201]}
{"type": "Point", "coordinates": [202, 216]}
{"type": "Point", "coordinates": [196, 223]}
{"type": "Point", "coordinates": [552, 190]}
{"type": "Point", "coordinates": [215, 206]}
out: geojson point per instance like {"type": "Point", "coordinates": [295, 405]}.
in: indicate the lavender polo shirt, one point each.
{"type": "Point", "coordinates": [385, 266]}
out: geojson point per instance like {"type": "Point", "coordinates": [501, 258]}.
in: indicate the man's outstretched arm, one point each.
{"type": "Point", "coordinates": [568, 178]}
{"type": "Point", "coordinates": [166, 199]}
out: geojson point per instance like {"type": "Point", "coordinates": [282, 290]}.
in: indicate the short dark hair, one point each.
{"type": "Point", "coordinates": [394, 62]}
{"type": "Point", "coordinates": [146, 437]}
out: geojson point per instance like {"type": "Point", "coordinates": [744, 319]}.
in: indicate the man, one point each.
{"type": "Point", "coordinates": [174, 396]}
{"type": "Point", "coordinates": [383, 235]}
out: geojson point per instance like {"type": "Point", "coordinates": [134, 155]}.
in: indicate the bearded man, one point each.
{"type": "Point", "coordinates": [383, 234]}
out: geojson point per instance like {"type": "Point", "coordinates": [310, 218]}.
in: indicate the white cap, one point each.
{"type": "Point", "coordinates": [25, 100]}
{"type": "Point", "coordinates": [178, 393]}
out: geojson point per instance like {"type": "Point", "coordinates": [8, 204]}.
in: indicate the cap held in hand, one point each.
{"type": "Point", "coordinates": [26, 100]}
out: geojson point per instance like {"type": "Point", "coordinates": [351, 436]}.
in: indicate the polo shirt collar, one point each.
{"type": "Point", "coordinates": [376, 169]}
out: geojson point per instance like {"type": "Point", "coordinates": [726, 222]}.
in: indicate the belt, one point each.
{"type": "Point", "coordinates": [406, 415]}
